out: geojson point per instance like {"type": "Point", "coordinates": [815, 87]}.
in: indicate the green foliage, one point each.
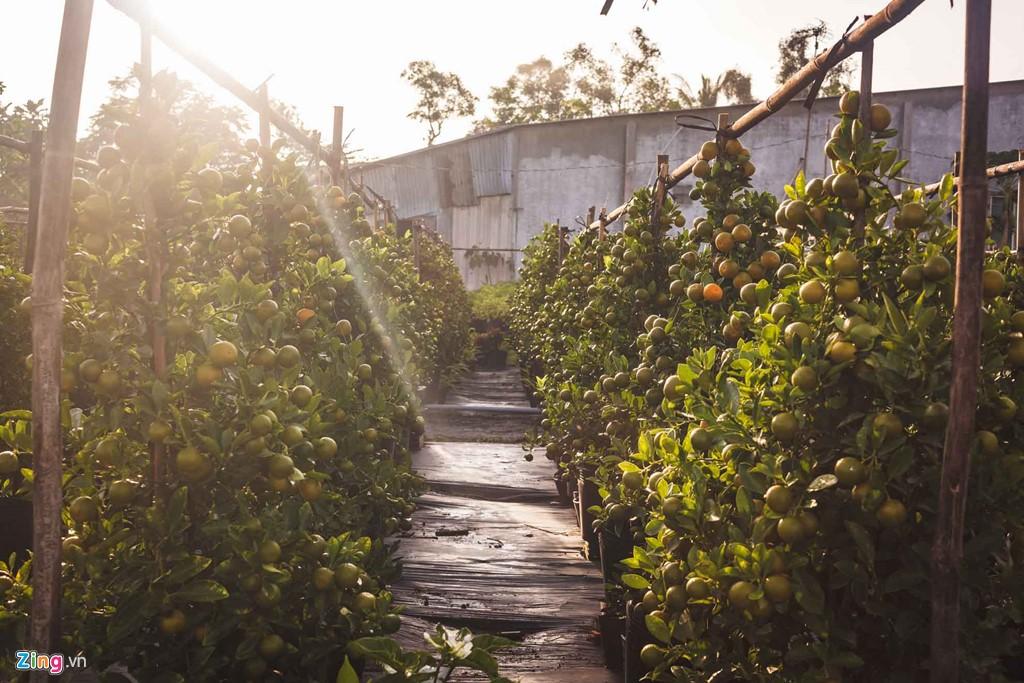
{"type": "Point", "coordinates": [491, 302]}
{"type": "Point", "coordinates": [226, 518]}
{"type": "Point", "coordinates": [16, 341]}
{"type": "Point", "coordinates": [761, 401]}
{"type": "Point", "coordinates": [441, 96]}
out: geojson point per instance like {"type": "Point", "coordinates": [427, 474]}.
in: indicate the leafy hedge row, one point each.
{"type": "Point", "coordinates": [227, 520]}
{"type": "Point", "coordinates": [761, 399]}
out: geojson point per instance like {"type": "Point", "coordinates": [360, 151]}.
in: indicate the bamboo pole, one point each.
{"type": "Point", "coordinates": [155, 245]}
{"type": "Point", "coordinates": [47, 323]}
{"type": "Point", "coordinates": [659, 184]}
{"type": "Point", "coordinates": [26, 147]}
{"type": "Point", "coordinates": [15, 143]}
{"type": "Point", "coordinates": [1000, 171]}
{"type": "Point", "coordinates": [1020, 206]}
{"type": "Point", "coordinates": [139, 12]}
{"type": "Point", "coordinates": [893, 13]}
{"type": "Point", "coordinates": [35, 186]}
{"type": "Point", "coordinates": [337, 142]}
{"type": "Point", "coordinates": [867, 65]}
{"type": "Point", "coordinates": [947, 550]}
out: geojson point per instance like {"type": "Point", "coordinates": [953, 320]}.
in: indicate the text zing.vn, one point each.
{"type": "Point", "coordinates": [30, 660]}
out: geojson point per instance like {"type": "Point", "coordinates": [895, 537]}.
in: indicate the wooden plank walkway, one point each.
{"type": "Point", "coordinates": [492, 548]}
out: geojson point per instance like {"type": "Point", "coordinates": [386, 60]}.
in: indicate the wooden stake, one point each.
{"type": "Point", "coordinates": [558, 233]}
{"type": "Point", "coordinates": [947, 550]}
{"type": "Point", "coordinates": [867, 65]}
{"type": "Point", "coordinates": [47, 327]}
{"type": "Point", "coordinates": [1020, 208]}
{"type": "Point", "coordinates": [337, 141]}
{"type": "Point", "coordinates": [591, 213]}
{"type": "Point", "coordinates": [35, 183]}
{"type": "Point", "coordinates": [659, 185]}
{"type": "Point", "coordinates": [155, 246]}
{"type": "Point", "coordinates": [602, 225]}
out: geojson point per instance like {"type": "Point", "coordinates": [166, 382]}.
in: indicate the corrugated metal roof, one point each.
{"type": "Point", "coordinates": [491, 157]}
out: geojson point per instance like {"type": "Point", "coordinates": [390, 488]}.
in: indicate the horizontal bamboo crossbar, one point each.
{"type": "Point", "coordinates": [14, 143]}
{"type": "Point", "coordinates": [874, 26]}
{"type": "Point", "coordinates": [25, 148]}
{"type": "Point", "coordinates": [139, 13]}
{"type": "Point", "coordinates": [1000, 171]}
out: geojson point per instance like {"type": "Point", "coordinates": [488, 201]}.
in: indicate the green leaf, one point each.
{"type": "Point", "coordinates": [379, 649]}
{"type": "Point", "coordinates": [636, 581]}
{"type": "Point", "coordinates": [658, 628]}
{"type": "Point", "coordinates": [176, 508]}
{"type": "Point", "coordinates": [203, 590]}
{"type": "Point", "coordinates": [865, 546]}
{"type": "Point", "coordinates": [808, 592]}
{"type": "Point", "coordinates": [347, 674]}
{"type": "Point", "coordinates": [896, 317]}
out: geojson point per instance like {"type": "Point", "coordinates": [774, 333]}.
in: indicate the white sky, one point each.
{"type": "Point", "coordinates": [346, 52]}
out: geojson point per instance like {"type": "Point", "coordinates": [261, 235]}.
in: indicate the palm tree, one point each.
{"type": "Point", "coordinates": [733, 85]}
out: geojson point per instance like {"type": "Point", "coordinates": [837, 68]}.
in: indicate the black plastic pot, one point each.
{"type": "Point", "coordinates": [563, 490]}
{"type": "Point", "coordinates": [614, 549]}
{"type": "Point", "coordinates": [576, 505]}
{"type": "Point", "coordinates": [612, 626]}
{"type": "Point", "coordinates": [16, 514]}
{"type": "Point", "coordinates": [635, 638]}
{"type": "Point", "coordinates": [589, 497]}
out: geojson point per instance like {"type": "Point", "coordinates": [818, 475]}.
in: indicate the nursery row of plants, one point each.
{"type": "Point", "coordinates": [750, 411]}
{"type": "Point", "coordinates": [243, 357]}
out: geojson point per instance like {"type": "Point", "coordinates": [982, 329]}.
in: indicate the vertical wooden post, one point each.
{"type": "Point", "coordinates": [659, 189]}
{"type": "Point", "coordinates": [417, 227]}
{"type": "Point", "coordinates": [867, 66]}
{"type": "Point", "coordinates": [316, 158]}
{"type": "Point", "coordinates": [264, 111]}
{"type": "Point", "coordinates": [956, 174]}
{"type": "Point", "coordinates": [1020, 209]}
{"type": "Point", "coordinates": [602, 229]}
{"type": "Point", "coordinates": [35, 183]}
{"type": "Point", "coordinates": [155, 252]}
{"type": "Point", "coordinates": [337, 142]}
{"type": "Point", "coordinates": [145, 63]}
{"type": "Point", "coordinates": [591, 213]}
{"type": "Point", "coordinates": [47, 327]}
{"type": "Point", "coordinates": [558, 234]}
{"type": "Point", "coordinates": [947, 550]}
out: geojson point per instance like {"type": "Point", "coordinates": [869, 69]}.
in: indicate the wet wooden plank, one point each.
{"type": "Point", "coordinates": [493, 549]}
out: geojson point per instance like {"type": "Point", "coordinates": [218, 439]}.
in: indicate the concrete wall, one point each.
{"type": "Point", "coordinates": [497, 190]}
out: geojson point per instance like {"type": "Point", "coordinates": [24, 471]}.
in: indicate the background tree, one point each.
{"type": "Point", "coordinates": [17, 121]}
{"type": "Point", "coordinates": [800, 46]}
{"type": "Point", "coordinates": [584, 85]}
{"type": "Point", "coordinates": [198, 112]}
{"type": "Point", "coordinates": [733, 85]}
{"type": "Point", "coordinates": [442, 96]}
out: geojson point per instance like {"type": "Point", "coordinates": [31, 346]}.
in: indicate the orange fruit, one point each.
{"type": "Point", "coordinates": [712, 292]}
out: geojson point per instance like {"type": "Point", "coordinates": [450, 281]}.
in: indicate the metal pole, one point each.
{"type": "Point", "coordinates": [947, 550]}
{"type": "Point", "coordinates": [47, 327]}
{"type": "Point", "coordinates": [35, 183]}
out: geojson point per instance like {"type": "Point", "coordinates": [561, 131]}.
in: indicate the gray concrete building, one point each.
{"type": "Point", "coordinates": [489, 193]}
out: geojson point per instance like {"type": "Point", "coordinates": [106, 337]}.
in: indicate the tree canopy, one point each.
{"type": "Point", "coordinates": [441, 96]}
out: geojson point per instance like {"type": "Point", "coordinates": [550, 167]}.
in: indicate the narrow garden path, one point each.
{"type": "Point", "coordinates": [491, 546]}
